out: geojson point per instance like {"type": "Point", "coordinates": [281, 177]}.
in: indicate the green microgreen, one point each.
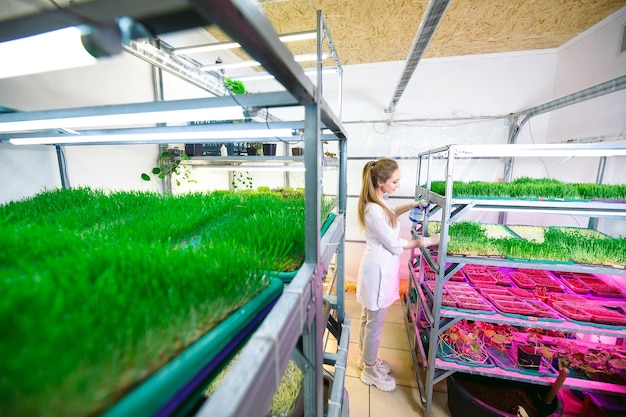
{"type": "Point", "coordinates": [100, 289]}
{"type": "Point", "coordinates": [525, 187]}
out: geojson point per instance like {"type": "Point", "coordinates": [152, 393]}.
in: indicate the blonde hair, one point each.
{"type": "Point", "coordinates": [374, 174]}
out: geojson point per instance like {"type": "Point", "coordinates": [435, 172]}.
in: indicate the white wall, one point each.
{"type": "Point", "coordinates": [28, 170]}
{"type": "Point", "coordinates": [589, 59]}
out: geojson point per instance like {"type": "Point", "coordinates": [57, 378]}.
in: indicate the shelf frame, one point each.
{"type": "Point", "coordinates": [453, 209]}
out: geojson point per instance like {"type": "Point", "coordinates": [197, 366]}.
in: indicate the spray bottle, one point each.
{"type": "Point", "coordinates": [415, 215]}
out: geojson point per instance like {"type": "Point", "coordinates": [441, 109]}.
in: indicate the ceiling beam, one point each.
{"type": "Point", "coordinates": [430, 22]}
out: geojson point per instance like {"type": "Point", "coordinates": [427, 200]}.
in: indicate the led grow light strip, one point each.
{"type": "Point", "coordinates": [59, 49]}
{"type": "Point", "coordinates": [294, 168]}
{"type": "Point", "coordinates": [267, 75]}
{"type": "Point", "coordinates": [126, 119]}
{"type": "Point", "coordinates": [544, 150]}
{"type": "Point", "coordinates": [289, 37]}
{"type": "Point", "coordinates": [153, 137]}
{"type": "Point", "coordinates": [247, 64]}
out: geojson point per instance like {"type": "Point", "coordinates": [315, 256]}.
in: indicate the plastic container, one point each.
{"type": "Point", "coordinates": [415, 215]}
{"type": "Point", "coordinates": [463, 404]}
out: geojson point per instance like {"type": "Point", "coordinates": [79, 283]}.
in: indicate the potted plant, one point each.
{"type": "Point", "coordinates": [528, 356]}
{"type": "Point", "coordinates": [252, 148]}
{"type": "Point", "coordinates": [269, 149]}
{"type": "Point", "coordinates": [530, 351]}
{"type": "Point", "coordinates": [168, 164]}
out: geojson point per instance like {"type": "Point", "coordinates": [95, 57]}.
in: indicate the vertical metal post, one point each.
{"type": "Point", "coordinates": [441, 260]}
{"type": "Point", "coordinates": [312, 334]}
{"type": "Point", "coordinates": [593, 221]}
{"type": "Point", "coordinates": [65, 183]}
{"type": "Point", "coordinates": [157, 92]}
{"type": "Point", "coordinates": [507, 175]}
{"type": "Point", "coordinates": [342, 201]}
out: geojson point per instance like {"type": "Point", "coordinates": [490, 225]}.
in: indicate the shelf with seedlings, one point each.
{"type": "Point", "coordinates": [525, 274]}
{"type": "Point", "coordinates": [534, 243]}
{"type": "Point", "coordinates": [102, 290]}
{"type": "Point", "coordinates": [534, 188]}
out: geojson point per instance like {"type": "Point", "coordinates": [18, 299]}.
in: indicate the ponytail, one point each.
{"type": "Point", "coordinates": [374, 173]}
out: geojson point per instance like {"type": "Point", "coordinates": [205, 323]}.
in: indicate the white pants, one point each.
{"type": "Point", "coordinates": [371, 330]}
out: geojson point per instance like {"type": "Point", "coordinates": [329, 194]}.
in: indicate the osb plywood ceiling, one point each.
{"type": "Point", "coordinates": [366, 31]}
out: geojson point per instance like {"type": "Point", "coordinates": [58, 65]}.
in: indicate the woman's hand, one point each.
{"type": "Point", "coordinates": [431, 240]}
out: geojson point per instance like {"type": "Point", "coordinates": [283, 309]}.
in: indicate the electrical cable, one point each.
{"type": "Point", "coordinates": [381, 133]}
{"type": "Point", "coordinates": [267, 114]}
{"type": "Point", "coordinates": [532, 139]}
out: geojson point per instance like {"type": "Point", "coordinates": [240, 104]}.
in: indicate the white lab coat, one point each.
{"type": "Point", "coordinates": [378, 280]}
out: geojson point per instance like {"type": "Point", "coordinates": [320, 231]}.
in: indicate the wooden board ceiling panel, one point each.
{"type": "Point", "coordinates": [367, 31]}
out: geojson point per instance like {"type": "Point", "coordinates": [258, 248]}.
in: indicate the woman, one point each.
{"type": "Point", "coordinates": [378, 281]}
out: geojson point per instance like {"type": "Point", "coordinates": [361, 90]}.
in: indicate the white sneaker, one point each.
{"type": "Point", "coordinates": [381, 364]}
{"type": "Point", "coordinates": [371, 375]}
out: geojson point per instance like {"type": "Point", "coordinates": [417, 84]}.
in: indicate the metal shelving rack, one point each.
{"type": "Point", "coordinates": [429, 370]}
{"type": "Point", "coordinates": [295, 326]}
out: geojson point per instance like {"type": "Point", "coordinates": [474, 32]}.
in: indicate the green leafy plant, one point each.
{"type": "Point", "coordinates": [168, 163]}
{"type": "Point", "coordinates": [498, 336]}
{"type": "Point", "coordinates": [242, 180]}
{"type": "Point", "coordinates": [235, 86]}
{"type": "Point", "coordinates": [254, 148]}
{"type": "Point", "coordinates": [462, 342]}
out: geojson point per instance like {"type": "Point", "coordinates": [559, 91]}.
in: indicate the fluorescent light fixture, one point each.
{"type": "Point", "coordinates": [126, 119]}
{"type": "Point", "coordinates": [297, 168]}
{"type": "Point", "coordinates": [164, 137]}
{"type": "Point", "coordinates": [59, 49]}
{"type": "Point", "coordinates": [221, 46]}
{"type": "Point", "coordinates": [267, 75]}
{"type": "Point", "coordinates": [298, 36]}
{"type": "Point", "coordinates": [543, 150]}
{"type": "Point", "coordinates": [247, 64]}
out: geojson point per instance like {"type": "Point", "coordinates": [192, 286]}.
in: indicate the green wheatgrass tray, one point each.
{"type": "Point", "coordinates": [149, 397]}
{"type": "Point", "coordinates": [537, 233]}
{"type": "Point", "coordinates": [522, 232]}
{"type": "Point", "coordinates": [540, 261]}
{"type": "Point", "coordinates": [288, 276]}
{"type": "Point", "coordinates": [534, 189]}
{"type": "Point", "coordinates": [493, 231]}
{"type": "Point", "coordinates": [48, 240]}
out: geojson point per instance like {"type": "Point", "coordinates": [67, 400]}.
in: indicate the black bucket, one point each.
{"type": "Point", "coordinates": [463, 404]}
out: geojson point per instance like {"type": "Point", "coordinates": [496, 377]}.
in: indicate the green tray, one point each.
{"type": "Point", "coordinates": [288, 276]}
{"type": "Point", "coordinates": [157, 390]}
